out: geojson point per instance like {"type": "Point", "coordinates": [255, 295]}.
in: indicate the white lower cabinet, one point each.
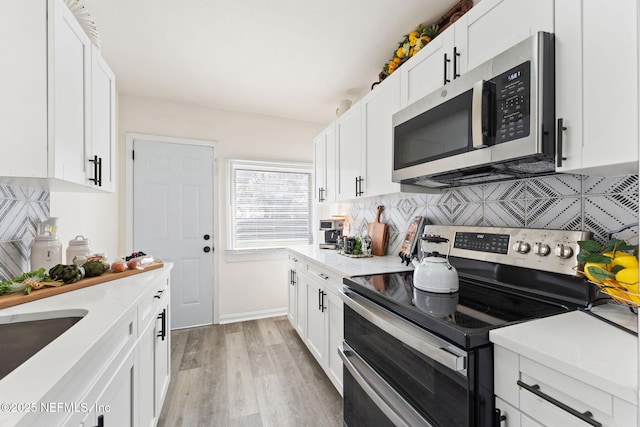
{"type": "Point", "coordinates": [532, 394]}
{"type": "Point", "coordinates": [297, 303]}
{"type": "Point", "coordinates": [320, 320]}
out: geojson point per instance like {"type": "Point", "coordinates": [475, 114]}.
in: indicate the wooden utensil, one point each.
{"type": "Point", "coordinates": [378, 233]}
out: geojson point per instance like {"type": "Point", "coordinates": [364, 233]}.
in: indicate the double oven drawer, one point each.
{"type": "Point", "coordinates": [396, 373]}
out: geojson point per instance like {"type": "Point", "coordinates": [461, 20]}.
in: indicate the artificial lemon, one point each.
{"type": "Point", "coordinates": [628, 276]}
{"type": "Point", "coordinates": [589, 274]}
{"type": "Point", "coordinates": [625, 260]}
{"type": "Point", "coordinates": [400, 52]}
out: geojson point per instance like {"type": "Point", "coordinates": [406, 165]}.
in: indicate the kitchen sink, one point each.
{"type": "Point", "coordinates": [25, 335]}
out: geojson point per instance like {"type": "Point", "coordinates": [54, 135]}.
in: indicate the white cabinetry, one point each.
{"type": "Point", "coordinates": [297, 302]}
{"type": "Point", "coordinates": [101, 146]}
{"type": "Point", "coordinates": [489, 28]}
{"type": "Point", "coordinates": [597, 86]}
{"type": "Point", "coordinates": [154, 349]}
{"type": "Point", "coordinates": [349, 148]}
{"type": "Point", "coordinates": [47, 109]}
{"type": "Point", "coordinates": [324, 161]}
{"type": "Point", "coordinates": [319, 310]}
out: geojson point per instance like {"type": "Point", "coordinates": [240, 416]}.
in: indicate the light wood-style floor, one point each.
{"type": "Point", "coordinates": [255, 373]}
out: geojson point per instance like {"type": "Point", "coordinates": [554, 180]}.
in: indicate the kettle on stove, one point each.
{"type": "Point", "coordinates": [434, 273]}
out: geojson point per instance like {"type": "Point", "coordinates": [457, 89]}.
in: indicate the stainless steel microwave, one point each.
{"type": "Point", "coordinates": [495, 122]}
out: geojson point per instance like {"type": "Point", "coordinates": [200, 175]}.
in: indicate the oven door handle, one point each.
{"type": "Point", "coordinates": [411, 335]}
{"type": "Point", "coordinates": [394, 406]}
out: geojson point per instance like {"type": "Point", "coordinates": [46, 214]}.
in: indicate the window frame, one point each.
{"type": "Point", "coordinates": [268, 166]}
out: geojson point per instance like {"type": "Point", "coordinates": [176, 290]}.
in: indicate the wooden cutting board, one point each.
{"type": "Point", "coordinates": [379, 235]}
{"type": "Point", "coordinates": [20, 298]}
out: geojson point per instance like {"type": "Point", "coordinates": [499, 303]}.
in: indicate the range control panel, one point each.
{"type": "Point", "coordinates": [548, 250]}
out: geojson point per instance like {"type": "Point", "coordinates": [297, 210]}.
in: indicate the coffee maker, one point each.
{"type": "Point", "coordinates": [332, 229]}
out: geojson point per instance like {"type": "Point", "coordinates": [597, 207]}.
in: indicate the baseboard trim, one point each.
{"type": "Point", "coordinates": [252, 315]}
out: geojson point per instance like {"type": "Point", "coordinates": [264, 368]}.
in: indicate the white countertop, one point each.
{"type": "Point", "coordinates": [104, 303]}
{"type": "Point", "coordinates": [346, 266]}
{"type": "Point", "coordinates": [581, 346]}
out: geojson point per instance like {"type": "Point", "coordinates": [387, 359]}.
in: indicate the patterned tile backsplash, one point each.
{"type": "Point", "coordinates": [21, 210]}
{"type": "Point", "coordinates": [566, 202]}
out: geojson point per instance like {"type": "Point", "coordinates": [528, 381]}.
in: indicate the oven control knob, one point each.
{"type": "Point", "coordinates": [521, 247]}
{"type": "Point", "coordinates": [541, 249]}
{"type": "Point", "coordinates": [563, 251]}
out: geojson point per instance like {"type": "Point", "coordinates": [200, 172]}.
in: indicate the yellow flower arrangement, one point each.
{"type": "Point", "coordinates": [412, 43]}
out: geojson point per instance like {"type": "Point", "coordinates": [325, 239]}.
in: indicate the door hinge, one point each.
{"type": "Point", "coordinates": [133, 155]}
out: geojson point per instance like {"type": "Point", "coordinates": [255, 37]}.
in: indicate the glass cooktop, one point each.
{"type": "Point", "coordinates": [463, 318]}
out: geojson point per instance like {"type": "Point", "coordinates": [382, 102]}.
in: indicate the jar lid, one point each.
{"type": "Point", "coordinates": [75, 242]}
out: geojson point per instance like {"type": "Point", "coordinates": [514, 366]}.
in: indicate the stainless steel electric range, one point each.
{"type": "Point", "coordinates": [419, 358]}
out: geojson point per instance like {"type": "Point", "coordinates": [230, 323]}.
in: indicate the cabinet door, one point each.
{"type": "Point", "coordinates": [315, 320]}
{"type": "Point", "coordinates": [596, 41]}
{"type": "Point", "coordinates": [492, 26]}
{"type": "Point", "coordinates": [425, 72]}
{"type": "Point", "coordinates": [101, 149]}
{"type": "Point", "coordinates": [301, 306]}
{"type": "Point", "coordinates": [146, 376]}
{"type": "Point", "coordinates": [162, 356]}
{"type": "Point", "coordinates": [293, 295]}
{"type": "Point", "coordinates": [377, 132]}
{"type": "Point", "coordinates": [69, 63]}
{"type": "Point", "coordinates": [334, 314]}
{"type": "Point", "coordinates": [319, 167]}
{"type": "Point", "coordinates": [349, 153]}
{"type": "Point", "coordinates": [117, 404]}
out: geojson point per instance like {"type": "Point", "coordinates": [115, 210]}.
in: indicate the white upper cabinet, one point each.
{"type": "Point", "coordinates": [350, 153]}
{"type": "Point", "coordinates": [493, 26]}
{"type": "Point", "coordinates": [377, 109]}
{"type": "Point", "coordinates": [324, 161]}
{"type": "Point", "coordinates": [101, 148]}
{"type": "Point", "coordinates": [47, 109]}
{"type": "Point", "coordinates": [597, 86]}
{"type": "Point", "coordinates": [490, 27]}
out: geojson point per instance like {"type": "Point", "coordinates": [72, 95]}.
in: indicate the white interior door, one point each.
{"type": "Point", "coordinates": [173, 221]}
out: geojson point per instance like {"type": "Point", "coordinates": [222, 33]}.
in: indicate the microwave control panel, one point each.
{"type": "Point", "coordinates": [513, 101]}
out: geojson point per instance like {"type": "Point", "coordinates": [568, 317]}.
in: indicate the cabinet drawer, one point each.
{"type": "Point", "coordinates": [324, 276]}
{"type": "Point", "coordinates": [294, 259]}
{"type": "Point", "coordinates": [152, 299]}
{"type": "Point", "coordinates": [566, 389]}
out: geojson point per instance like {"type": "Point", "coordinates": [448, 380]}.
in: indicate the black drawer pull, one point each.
{"type": "Point", "coordinates": [584, 416]}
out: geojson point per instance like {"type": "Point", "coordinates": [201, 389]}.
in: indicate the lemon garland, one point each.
{"type": "Point", "coordinates": [412, 43]}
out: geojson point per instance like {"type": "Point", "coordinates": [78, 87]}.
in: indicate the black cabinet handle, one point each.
{"type": "Point", "coordinates": [100, 421]}
{"type": "Point", "coordinates": [319, 299]}
{"type": "Point", "coordinates": [456, 55]}
{"type": "Point", "coordinates": [158, 294]}
{"type": "Point", "coordinates": [498, 418]}
{"type": "Point", "coordinates": [322, 306]}
{"type": "Point", "coordinates": [206, 237]}
{"type": "Point", "coordinates": [163, 331]}
{"type": "Point", "coordinates": [359, 191]}
{"type": "Point", "coordinates": [561, 129]}
{"type": "Point", "coordinates": [446, 61]}
{"type": "Point", "coordinates": [584, 416]}
{"type": "Point", "coordinates": [99, 171]}
{"type": "Point", "coordinates": [206, 249]}
{"type": "Point", "coordinates": [95, 170]}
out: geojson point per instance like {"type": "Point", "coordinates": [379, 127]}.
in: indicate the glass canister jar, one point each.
{"type": "Point", "coordinates": [46, 252]}
{"type": "Point", "coordinates": [78, 247]}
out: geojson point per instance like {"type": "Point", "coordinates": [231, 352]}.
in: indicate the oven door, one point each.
{"type": "Point", "coordinates": [396, 373]}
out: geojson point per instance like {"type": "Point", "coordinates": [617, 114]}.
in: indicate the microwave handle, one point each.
{"type": "Point", "coordinates": [481, 114]}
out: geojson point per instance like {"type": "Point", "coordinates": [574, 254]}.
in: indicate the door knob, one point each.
{"type": "Point", "coordinates": [207, 249]}
{"type": "Point", "coordinates": [206, 237]}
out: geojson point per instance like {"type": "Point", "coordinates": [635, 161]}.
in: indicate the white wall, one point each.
{"type": "Point", "coordinates": [244, 288]}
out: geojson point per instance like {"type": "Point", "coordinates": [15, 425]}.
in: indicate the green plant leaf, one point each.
{"type": "Point", "coordinates": [599, 273]}
{"type": "Point", "coordinates": [597, 258]}
{"type": "Point", "coordinates": [616, 268]}
{"type": "Point", "coordinates": [589, 245]}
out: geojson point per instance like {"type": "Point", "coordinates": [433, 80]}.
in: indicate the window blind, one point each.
{"type": "Point", "coordinates": [271, 204]}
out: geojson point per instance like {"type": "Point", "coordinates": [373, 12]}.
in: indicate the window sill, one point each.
{"type": "Point", "coordinates": [245, 255]}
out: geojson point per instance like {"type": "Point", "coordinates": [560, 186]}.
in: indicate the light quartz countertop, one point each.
{"type": "Point", "coordinates": [581, 346]}
{"type": "Point", "coordinates": [346, 266]}
{"type": "Point", "coordinates": [102, 305]}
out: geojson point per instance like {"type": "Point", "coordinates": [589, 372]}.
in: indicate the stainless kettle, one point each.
{"type": "Point", "coordinates": [434, 273]}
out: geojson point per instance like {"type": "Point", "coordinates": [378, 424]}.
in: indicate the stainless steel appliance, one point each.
{"type": "Point", "coordinates": [332, 229]}
{"type": "Point", "coordinates": [417, 358]}
{"type": "Point", "coordinates": [493, 123]}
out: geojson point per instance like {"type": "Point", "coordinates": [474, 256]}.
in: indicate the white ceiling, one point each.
{"type": "Point", "coordinates": [287, 58]}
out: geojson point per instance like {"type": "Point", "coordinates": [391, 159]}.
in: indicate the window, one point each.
{"type": "Point", "coordinates": [270, 204]}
